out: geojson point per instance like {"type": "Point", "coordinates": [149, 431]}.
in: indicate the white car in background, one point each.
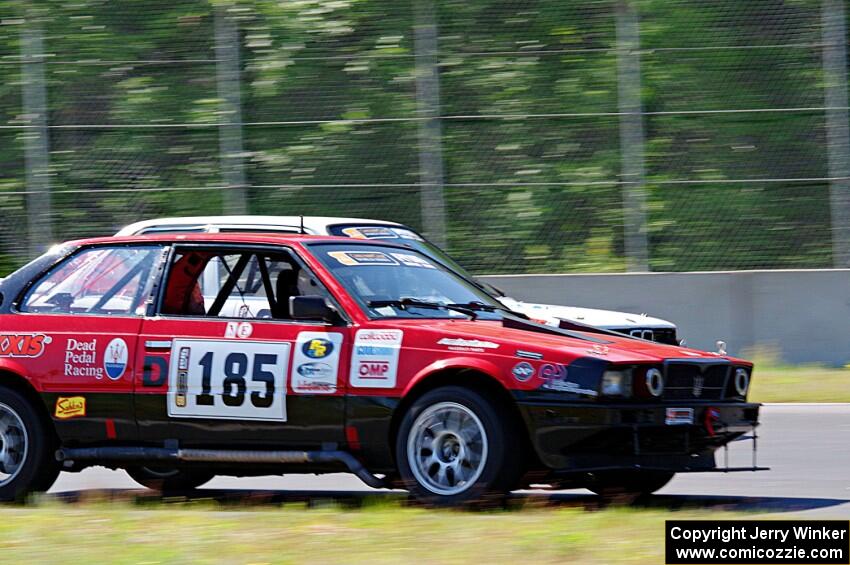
{"type": "Point", "coordinates": [636, 325]}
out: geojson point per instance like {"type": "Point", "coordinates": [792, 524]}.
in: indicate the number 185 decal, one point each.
{"type": "Point", "coordinates": [208, 379]}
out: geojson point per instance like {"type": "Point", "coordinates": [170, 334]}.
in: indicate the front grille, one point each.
{"type": "Point", "coordinates": [695, 381]}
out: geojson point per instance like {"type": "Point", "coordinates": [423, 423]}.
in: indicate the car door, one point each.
{"type": "Point", "coordinates": [76, 334]}
{"type": "Point", "coordinates": [222, 363]}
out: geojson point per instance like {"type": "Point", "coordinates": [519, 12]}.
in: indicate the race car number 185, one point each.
{"type": "Point", "coordinates": [213, 379]}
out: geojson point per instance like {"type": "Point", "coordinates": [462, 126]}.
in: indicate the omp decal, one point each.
{"type": "Point", "coordinates": [241, 330]}
{"type": "Point", "coordinates": [555, 378]}
{"type": "Point", "coordinates": [599, 350]}
{"type": "Point", "coordinates": [228, 380]}
{"type": "Point", "coordinates": [374, 363]}
{"type": "Point", "coordinates": [370, 232]}
{"type": "Point", "coordinates": [351, 258]}
{"type": "Point", "coordinates": [315, 365]}
{"type": "Point", "coordinates": [23, 345]}
{"type": "Point", "coordinates": [459, 344]}
{"type": "Point", "coordinates": [523, 371]}
{"type": "Point", "coordinates": [413, 260]}
{"type": "Point", "coordinates": [70, 407]}
{"type": "Point", "coordinates": [115, 358]}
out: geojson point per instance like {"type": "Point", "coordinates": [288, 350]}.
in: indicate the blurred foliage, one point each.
{"type": "Point", "coordinates": [530, 137]}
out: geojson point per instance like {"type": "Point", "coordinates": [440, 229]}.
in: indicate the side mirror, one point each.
{"type": "Point", "coordinates": [312, 308]}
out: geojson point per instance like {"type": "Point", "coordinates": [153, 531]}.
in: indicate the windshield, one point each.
{"type": "Point", "coordinates": [408, 237]}
{"type": "Point", "coordinates": [389, 282]}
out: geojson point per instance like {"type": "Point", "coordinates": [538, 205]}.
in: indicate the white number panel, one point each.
{"type": "Point", "coordinates": [223, 379]}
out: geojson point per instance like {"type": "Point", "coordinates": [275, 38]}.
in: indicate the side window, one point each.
{"type": "Point", "coordinates": [236, 284]}
{"type": "Point", "coordinates": [97, 280]}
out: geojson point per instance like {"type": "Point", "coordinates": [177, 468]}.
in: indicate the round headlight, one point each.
{"type": "Point", "coordinates": [742, 381]}
{"type": "Point", "coordinates": [655, 382]}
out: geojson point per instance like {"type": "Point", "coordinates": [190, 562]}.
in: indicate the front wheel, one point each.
{"type": "Point", "coordinates": [629, 484]}
{"type": "Point", "coordinates": [169, 480]}
{"type": "Point", "coordinates": [27, 462]}
{"type": "Point", "coordinates": [454, 447]}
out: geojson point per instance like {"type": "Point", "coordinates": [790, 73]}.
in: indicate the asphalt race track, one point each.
{"type": "Point", "coordinates": [806, 446]}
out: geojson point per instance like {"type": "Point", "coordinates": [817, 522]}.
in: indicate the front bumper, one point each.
{"type": "Point", "coordinates": [580, 437]}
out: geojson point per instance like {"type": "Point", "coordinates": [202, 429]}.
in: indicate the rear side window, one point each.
{"type": "Point", "coordinates": [97, 280]}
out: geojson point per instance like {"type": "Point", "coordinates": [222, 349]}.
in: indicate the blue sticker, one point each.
{"type": "Point", "coordinates": [115, 358]}
{"type": "Point", "coordinates": [523, 371]}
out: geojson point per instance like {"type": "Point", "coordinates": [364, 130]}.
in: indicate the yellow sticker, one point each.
{"type": "Point", "coordinates": [72, 407]}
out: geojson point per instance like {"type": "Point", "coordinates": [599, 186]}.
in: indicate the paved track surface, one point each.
{"type": "Point", "coordinates": [807, 447]}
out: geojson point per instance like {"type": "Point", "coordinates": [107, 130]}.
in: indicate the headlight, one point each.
{"type": "Point", "coordinates": [742, 381]}
{"type": "Point", "coordinates": [655, 382]}
{"type": "Point", "coordinates": [616, 383]}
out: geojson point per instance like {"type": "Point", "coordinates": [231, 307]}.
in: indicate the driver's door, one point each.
{"type": "Point", "coordinates": [223, 363]}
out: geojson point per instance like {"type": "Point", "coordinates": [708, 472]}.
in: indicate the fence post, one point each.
{"type": "Point", "coordinates": [433, 204]}
{"type": "Point", "coordinates": [36, 144]}
{"type": "Point", "coordinates": [834, 30]}
{"type": "Point", "coordinates": [228, 79]}
{"type": "Point", "coordinates": [631, 137]}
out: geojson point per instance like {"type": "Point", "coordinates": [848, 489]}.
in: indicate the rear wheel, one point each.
{"type": "Point", "coordinates": [629, 484]}
{"type": "Point", "coordinates": [454, 447]}
{"type": "Point", "coordinates": [169, 480]}
{"type": "Point", "coordinates": [27, 461]}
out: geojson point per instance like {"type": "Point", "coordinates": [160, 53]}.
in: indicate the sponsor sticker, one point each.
{"type": "Point", "coordinates": [115, 358]}
{"type": "Point", "coordinates": [82, 359]}
{"type": "Point", "coordinates": [240, 330]}
{"type": "Point", "coordinates": [70, 407]}
{"type": "Point", "coordinates": [374, 363]}
{"type": "Point", "coordinates": [460, 344]}
{"type": "Point", "coordinates": [523, 371]}
{"type": "Point", "coordinates": [555, 379]}
{"type": "Point", "coordinates": [23, 345]}
{"type": "Point", "coordinates": [407, 234]}
{"type": "Point", "coordinates": [599, 350]}
{"type": "Point", "coordinates": [679, 416]}
{"type": "Point", "coordinates": [414, 260]}
{"type": "Point", "coordinates": [351, 258]}
{"type": "Point", "coordinates": [528, 354]}
{"type": "Point", "coordinates": [183, 376]}
{"type": "Point", "coordinates": [315, 367]}
{"type": "Point", "coordinates": [370, 232]}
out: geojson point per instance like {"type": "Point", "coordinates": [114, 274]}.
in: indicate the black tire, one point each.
{"type": "Point", "coordinates": [35, 467]}
{"type": "Point", "coordinates": [629, 484]}
{"type": "Point", "coordinates": [498, 469]}
{"type": "Point", "coordinates": [169, 480]}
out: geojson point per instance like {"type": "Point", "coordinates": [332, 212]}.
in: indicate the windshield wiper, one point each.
{"type": "Point", "coordinates": [481, 307]}
{"type": "Point", "coordinates": [406, 303]}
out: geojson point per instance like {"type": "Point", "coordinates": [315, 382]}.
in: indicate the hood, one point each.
{"type": "Point", "coordinates": [486, 336]}
{"type": "Point", "coordinates": [608, 319]}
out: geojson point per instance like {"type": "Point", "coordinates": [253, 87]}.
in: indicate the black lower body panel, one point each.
{"type": "Point", "coordinates": [587, 437]}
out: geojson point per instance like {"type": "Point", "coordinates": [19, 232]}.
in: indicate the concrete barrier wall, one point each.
{"type": "Point", "coordinates": [804, 315]}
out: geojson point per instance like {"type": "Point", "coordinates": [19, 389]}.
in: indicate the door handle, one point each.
{"type": "Point", "coordinates": [158, 345]}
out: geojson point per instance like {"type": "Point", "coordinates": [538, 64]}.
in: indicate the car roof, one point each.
{"type": "Point", "coordinates": [311, 223]}
{"type": "Point", "coordinates": [230, 237]}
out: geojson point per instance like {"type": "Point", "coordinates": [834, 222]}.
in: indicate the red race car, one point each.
{"type": "Point", "coordinates": [180, 357]}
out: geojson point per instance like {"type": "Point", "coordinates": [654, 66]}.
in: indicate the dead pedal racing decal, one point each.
{"type": "Point", "coordinates": [23, 345]}
{"type": "Point", "coordinates": [459, 344]}
{"type": "Point", "coordinates": [216, 379]}
{"type": "Point", "coordinates": [315, 364]}
{"type": "Point", "coordinates": [81, 359]}
{"type": "Point", "coordinates": [374, 361]}
{"type": "Point", "coordinates": [70, 407]}
{"type": "Point", "coordinates": [555, 378]}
